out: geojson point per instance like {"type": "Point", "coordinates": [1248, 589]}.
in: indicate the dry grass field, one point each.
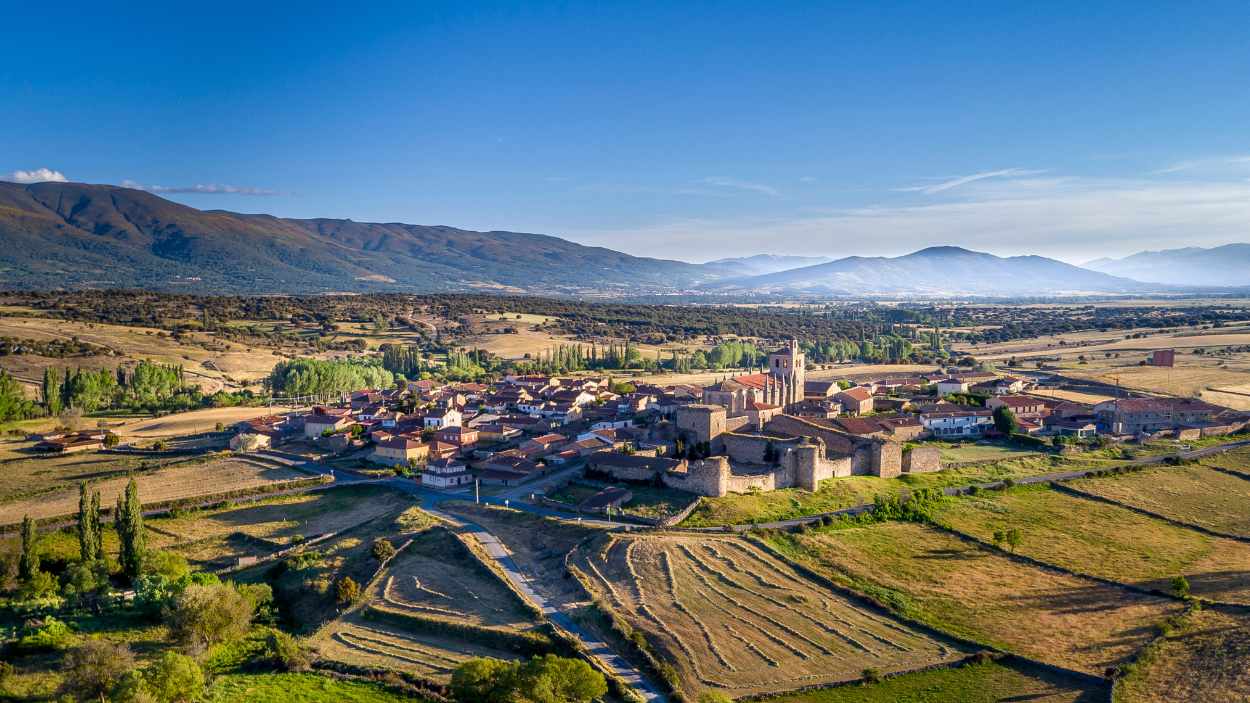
{"type": "Point", "coordinates": [1208, 661]}
{"type": "Point", "coordinates": [977, 594]}
{"type": "Point", "coordinates": [212, 370]}
{"type": "Point", "coordinates": [729, 616]}
{"type": "Point", "coordinates": [1191, 494]}
{"type": "Point", "coordinates": [433, 586]}
{"type": "Point", "coordinates": [1193, 376]}
{"type": "Point", "coordinates": [184, 479]}
{"type": "Point", "coordinates": [217, 538]}
{"type": "Point", "coordinates": [1105, 540]}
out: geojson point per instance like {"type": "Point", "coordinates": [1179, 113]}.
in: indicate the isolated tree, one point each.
{"type": "Point", "coordinates": [346, 591]}
{"type": "Point", "coordinates": [999, 537]}
{"type": "Point", "coordinates": [1012, 538]}
{"type": "Point", "coordinates": [28, 562]}
{"type": "Point", "coordinates": [94, 668]}
{"type": "Point", "coordinates": [1180, 587]}
{"type": "Point", "coordinates": [383, 549]}
{"type": "Point", "coordinates": [128, 520]}
{"type": "Point", "coordinates": [485, 680]}
{"type": "Point", "coordinates": [1005, 421]}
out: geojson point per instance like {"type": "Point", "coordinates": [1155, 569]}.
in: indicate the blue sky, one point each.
{"type": "Point", "coordinates": [680, 130]}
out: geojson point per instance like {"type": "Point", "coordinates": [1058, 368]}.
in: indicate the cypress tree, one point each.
{"type": "Point", "coordinates": [28, 563]}
{"type": "Point", "coordinates": [97, 527]}
{"type": "Point", "coordinates": [128, 519]}
{"type": "Point", "coordinates": [86, 539]}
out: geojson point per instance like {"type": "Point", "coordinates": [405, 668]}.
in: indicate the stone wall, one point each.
{"type": "Point", "coordinates": [921, 460]}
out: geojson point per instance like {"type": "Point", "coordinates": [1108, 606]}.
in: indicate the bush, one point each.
{"type": "Point", "coordinates": [1180, 587]}
{"type": "Point", "coordinates": [286, 653]}
{"type": "Point", "coordinates": [202, 615]}
{"type": "Point", "coordinates": [93, 670]}
{"type": "Point", "coordinates": [174, 678]}
{"type": "Point", "coordinates": [871, 675]}
{"type": "Point", "coordinates": [51, 635]}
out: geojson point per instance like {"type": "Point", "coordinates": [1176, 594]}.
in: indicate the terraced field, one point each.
{"type": "Point", "coordinates": [1191, 494]}
{"type": "Point", "coordinates": [1092, 537]}
{"type": "Point", "coordinates": [435, 607]}
{"type": "Point", "coordinates": [980, 595]}
{"type": "Point", "coordinates": [729, 616]}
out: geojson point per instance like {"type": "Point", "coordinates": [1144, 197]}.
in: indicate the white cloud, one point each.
{"type": "Point", "coordinates": [948, 184]}
{"type": "Point", "coordinates": [735, 184]}
{"type": "Point", "coordinates": [210, 188]}
{"type": "Point", "coordinates": [1075, 219]}
{"type": "Point", "coordinates": [38, 175]}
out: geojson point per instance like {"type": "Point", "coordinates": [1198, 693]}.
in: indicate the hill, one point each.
{"type": "Point", "coordinates": [74, 235]}
{"type": "Point", "coordinates": [936, 271]}
{"type": "Point", "coordinates": [1228, 265]}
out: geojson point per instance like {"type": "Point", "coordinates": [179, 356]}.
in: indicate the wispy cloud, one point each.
{"type": "Point", "coordinates": [1216, 163]}
{"type": "Point", "coordinates": [952, 183]}
{"type": "Point", "coordinates": [208, 189]}
{"type": "Point", "coordinates": [38, 175]}
{"type": "Point", "coordinates": [735, 184]}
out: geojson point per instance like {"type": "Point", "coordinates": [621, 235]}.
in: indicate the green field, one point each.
{"type": "Point", "coordinates": [990, 682]}
{"type": "Point", "coordinates": [285, 688]}
{"type": "Point", "coordinates": [1091, 537]}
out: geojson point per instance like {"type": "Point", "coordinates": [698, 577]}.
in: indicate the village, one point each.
{"type": "Point", "coordinates": [757, 431]}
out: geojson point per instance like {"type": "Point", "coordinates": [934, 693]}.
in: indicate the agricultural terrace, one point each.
{"type": "Point", "coordinates": [647, 501]}
{"type": "Point", "coordinates": [1195, 495]}
{"type": "Point", "coordinates": [212, 539]}
{"type": "Point", "coordinates": [989, 682]}
{"type": "Point", "coordinates": [744, 508]}
{"type": "Point", "coordinates": [174, 481]}
{"type": "Point", "coordinates": [980, 595]}
{"type": "Point", "coordinates": [1105, 540]}
{"type": "Point", "coordinates": [730, 617]}
{"type": "Point", "coordinates": [433, 608]}
{"type": "Point", "coordinates": [1205, 658]}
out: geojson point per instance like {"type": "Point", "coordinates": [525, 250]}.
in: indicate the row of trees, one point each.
{"type": "Point", "coordinates": [298, 377]}
{"type": "Point", "coordinates": [147, 386]}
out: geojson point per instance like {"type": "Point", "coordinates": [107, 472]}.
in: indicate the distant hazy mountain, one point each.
{"type": "Point", "coordinates": [75, 235]}
{"type": "Point", "coordinates": [936, 270]}
{"type": "Point", "coordinates": [761, 264]}
{"type": "Point", "coordinates": [1228, 265]}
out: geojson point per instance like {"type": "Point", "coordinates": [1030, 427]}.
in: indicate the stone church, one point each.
{"type": "Point", "coordinates": [780, 386]}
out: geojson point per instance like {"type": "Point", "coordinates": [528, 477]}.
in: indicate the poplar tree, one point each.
{"type": "Point", "coordinates": [28, 563]}
{"type": "Point", "coordinates": [128, 519]}
{"type": "Point", "coordinates": [86, 534]}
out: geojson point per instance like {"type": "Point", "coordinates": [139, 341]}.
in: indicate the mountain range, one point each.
{"type": "Point", "coordinates": [1228, 265]}
{"type": "Point", "coordinates": [75, 235]}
